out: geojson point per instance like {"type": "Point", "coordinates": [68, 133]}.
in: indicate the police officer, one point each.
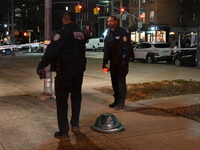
{"type": "Point", "coordinates": [117, 50]}
{"type": "Point", "coordinates": [67, 49]}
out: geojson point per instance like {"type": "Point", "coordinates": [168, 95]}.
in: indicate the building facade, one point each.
{"type": "Point", "coordinates": [165, 20]}
{"type": "Point", "coordinates": [146, 20]}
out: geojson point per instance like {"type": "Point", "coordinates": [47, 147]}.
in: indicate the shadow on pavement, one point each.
{"type": "Point", "coordinates": [76, 142]}
{"type": "Point", "coordinates": [148, 111]}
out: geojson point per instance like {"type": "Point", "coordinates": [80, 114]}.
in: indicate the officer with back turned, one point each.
{"type": "Point", "coordinates": [67, 49]}
{"type": "Point", "coordinates": [117, 50]}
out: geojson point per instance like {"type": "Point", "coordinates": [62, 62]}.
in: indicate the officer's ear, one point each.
{"type": "Point", "coordinates": [64, 21]}
{"type": "Point", "coordinates": [117, 22]}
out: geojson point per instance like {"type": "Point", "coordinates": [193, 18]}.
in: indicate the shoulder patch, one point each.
{"type": "Point", "coordinates": [125, 39]}
{"type": "Point", "coordinates": [56, 37]}
{"type": "Point", "coordinates": [79, 35]}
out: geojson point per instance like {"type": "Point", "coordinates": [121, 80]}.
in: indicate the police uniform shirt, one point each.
{"type": "Point", "coordinates": [68, 46]}
{"type": "Point", "coordinates": [116, 46]}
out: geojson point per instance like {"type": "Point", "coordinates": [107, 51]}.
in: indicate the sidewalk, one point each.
{"type": "Point", "coordinates": [29, 124]}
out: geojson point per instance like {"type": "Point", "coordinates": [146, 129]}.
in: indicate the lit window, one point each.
{"type": "Point", "coordinates": [151, 16]}
{"type": "Point", "coordinates": [143, 17]}
{"type": "Point", "coordinates": [143, 1]}
{"type": "Point", "coordinates": [193, 16]}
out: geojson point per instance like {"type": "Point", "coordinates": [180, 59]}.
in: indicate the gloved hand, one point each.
{"type": "Point", "coordinates": [41, 73]}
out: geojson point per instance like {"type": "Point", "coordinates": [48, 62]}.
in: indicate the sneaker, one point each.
{"type": "Point", "coordinates": [60, 136]}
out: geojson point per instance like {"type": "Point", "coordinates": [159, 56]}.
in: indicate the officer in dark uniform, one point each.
{"type": "Point", "coordinates": [117, 49]}
{"type": "Point", "coordinates": [67, 49]}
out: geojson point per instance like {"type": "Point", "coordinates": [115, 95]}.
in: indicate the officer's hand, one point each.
{"type": "Point", "coordinates": [106, 70]}
{"type": "Point", "coordinates": [41, 73]}
{"type": "Point", "coordinates": [104, 66]}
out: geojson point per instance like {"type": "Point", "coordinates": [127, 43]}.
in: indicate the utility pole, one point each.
{"type": "Point", "coordinates": [48, 33]}
{"type": "Point", "coordinates": [48, 27]}
{"type": "Point", "coordinates": [112, 7]}
{"type": "Point", "coordinates": [12, 23]}
{"type": "Point", "coordinates": [198, 49]}
{"type": "Point", "coordinates": [8, 24]}
{"type": "Point", "coordinates": [139, 21]}
{"type": "Point", "coordinates": [12, 30]}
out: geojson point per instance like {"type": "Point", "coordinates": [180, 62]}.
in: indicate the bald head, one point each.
{"type": "Point", "coordinates": [69, 17]}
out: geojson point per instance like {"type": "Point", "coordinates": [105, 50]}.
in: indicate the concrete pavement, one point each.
{"type": "Point", "coordinates": [29, 124]}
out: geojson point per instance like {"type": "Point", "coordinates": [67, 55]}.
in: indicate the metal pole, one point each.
{"type": "Point", "coordinates": [198, 49]}
{"type": "Point", "coordinates": [29, 37]}
{"type": "Point", "coordinates": [81, 20]}
{"type": "Point", "coordinates": [48, 28]}
{"type": "Point", "coordinates": [8, 21]}
{"type": "Point", "coordinates": [12, 30]}
{"type": "Point", "coordinates": [139, 23]}
{"type": "Point", "coordinates": [112, 7]}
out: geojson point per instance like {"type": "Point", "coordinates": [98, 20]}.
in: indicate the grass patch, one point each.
{"type": "Point", "coordinates": [150, 90]}
{"type": "Point", "coordinates": [167, 88]}
{"type": "Point", "coordinates": [192, 112]}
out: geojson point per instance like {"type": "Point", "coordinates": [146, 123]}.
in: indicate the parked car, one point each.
{"type": "Point", "coordinates": [40, 47]}
{"type": "Point", "coordinates": [185, 57]}
{"type": "Point", "coordinates": [6, 51]}
{"type": "Point", "coordinates": [154, 51]}
{"type": "Point", "coordinates": [95, 44]}
{"type": "Point", "coordinates": [134, 44]}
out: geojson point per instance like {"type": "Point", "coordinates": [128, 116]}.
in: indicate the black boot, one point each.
{"type": "Point", "coordinates": [113, 104]}
{"type": "Point", "coordinates": [120, 104]}
{"type": "Point", "coordinates": [61, 136]}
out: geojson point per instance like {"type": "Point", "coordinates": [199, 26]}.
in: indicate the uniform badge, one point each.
{"type": "Point", "coordinates": [125, 39]}
{"type": "Point", "coordinates": [56, 37]}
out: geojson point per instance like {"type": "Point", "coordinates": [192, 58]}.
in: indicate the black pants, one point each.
{"type": "Point", "coordinates": [70, 82]}
{"type": "Point", "coordinates": [118, 79]}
